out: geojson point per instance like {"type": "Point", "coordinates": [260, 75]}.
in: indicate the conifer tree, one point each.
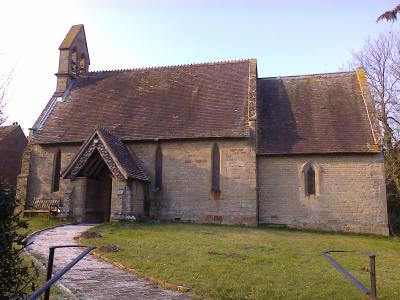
{"type": "Point", "coordinates": [14, 274]}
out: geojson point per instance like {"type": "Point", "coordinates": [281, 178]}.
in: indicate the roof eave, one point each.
{"type": "Point", "coordinates": [321, 152]}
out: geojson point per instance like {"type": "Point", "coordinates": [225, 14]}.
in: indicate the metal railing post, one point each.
{"type": "Point", "coordinates": [45, 288]}
{"type": "Point", "coordinates": [372, 274]}
{"type": "Point", "coordinates": [371, 293]}
{"type": "Point", "coordinates": [49, 271]}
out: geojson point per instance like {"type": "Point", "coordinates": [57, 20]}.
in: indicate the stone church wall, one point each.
{"type": "Point", "coordinates": [38, 162]}
{"type": "Point", "coordinates": [350, 196]}
{"type": "Point", "coordinates": [186, 181]}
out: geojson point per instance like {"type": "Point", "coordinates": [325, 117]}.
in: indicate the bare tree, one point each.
{"type": "Point", "coordinates": [380, 58]}
{"type": "Point", "coordinates": [4, 84]}
{"type": "Point", "coordinates": [390, 15]}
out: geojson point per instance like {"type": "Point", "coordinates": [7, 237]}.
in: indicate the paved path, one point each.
{"type": "Point", "coordinates": [92, 278]}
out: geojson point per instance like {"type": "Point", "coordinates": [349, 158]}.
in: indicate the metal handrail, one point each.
{"type": "Point", "coordinates": [371, 293]}
{"type": "Point", "coordinates": [45, 288]}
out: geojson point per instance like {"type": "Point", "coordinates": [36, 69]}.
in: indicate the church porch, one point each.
{"type": "Point", "coordinates": [106, 181]}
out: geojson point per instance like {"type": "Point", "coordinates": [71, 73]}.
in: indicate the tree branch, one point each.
{"type": "Point", "coordinates": [390, 15]}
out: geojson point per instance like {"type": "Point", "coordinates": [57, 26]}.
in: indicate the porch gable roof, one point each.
{"type": "Point", "coordinates": [122, 163]}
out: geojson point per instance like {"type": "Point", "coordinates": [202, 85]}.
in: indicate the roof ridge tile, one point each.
{"type": "Point", "coordinates": [309, 75]}
{"type": "Point", "coordinates": [167, 67]}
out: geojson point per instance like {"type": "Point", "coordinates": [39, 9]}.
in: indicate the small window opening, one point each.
{"type": "Point", "coordinates": [310, 181]}
{"type": "Point", "coordinates": [74, 61]}
{"type": "Point", "coordinates": [56, 172]}
{"type": "Point", "coordinates": [158, 169]}
{"type": "Point", "coordinates": [215, 168]}
{"type": "Point", "coordinates": [82, 64]}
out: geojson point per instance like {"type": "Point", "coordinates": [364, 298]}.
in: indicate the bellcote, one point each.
{"type": "Point", "coordinates": [74, 58]}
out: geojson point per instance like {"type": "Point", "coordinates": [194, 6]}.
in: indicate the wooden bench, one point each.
{"type": "Point", "coordinates": [43, 206]}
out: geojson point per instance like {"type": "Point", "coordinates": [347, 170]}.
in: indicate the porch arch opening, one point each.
{"type": "Point", "coordinates": [98, 189]}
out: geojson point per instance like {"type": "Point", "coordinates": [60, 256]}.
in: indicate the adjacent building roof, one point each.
{"type": "Point", "coordinates": [322, 113]}
{"type": "Point", "coordinates": [6, 130]}
{"type": "Point", "coordinates": [12, 145]}
{"type": "Point", "coordinates": [188, 101]}
{"type": "Point", "coordinates": [120, 161]}
{"type": "Point", "coordinates": [11, 133]}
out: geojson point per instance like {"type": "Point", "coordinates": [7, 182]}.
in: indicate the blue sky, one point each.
{"type": "Point", "coordinates": [286, 37]}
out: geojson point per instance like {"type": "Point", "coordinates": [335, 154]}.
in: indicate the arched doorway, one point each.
{"type": "Point", "coordinates": [98, 189]}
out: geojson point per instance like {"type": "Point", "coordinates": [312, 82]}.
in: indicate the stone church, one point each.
{"type": "Point", "coordinates": [207, 143]}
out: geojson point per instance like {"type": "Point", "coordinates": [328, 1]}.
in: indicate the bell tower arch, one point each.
{"type": "Point", "coordinates": [74, 59]}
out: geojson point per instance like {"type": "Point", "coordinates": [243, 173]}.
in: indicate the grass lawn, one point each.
{"type": "Point", "coordinates": [224, 262]}
{"type": "Point", "coordinates": [42, 223]}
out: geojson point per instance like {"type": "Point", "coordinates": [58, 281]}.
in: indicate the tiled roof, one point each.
{"type": "Point", "coordinates": [6, 130]}
{"type": "Point", "coordinates": [126, 159]}
{"type": "Point", "coordinates": [323, 113]}
{"type": "Point", "coordinates": [12, 145]}
{"type": "Point", "coordinates": [188, 101]}
{"type": "Point", "coordinates": [126, 162]}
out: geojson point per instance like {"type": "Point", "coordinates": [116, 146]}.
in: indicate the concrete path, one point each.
{"type": "Point", "coordinates": [92, 278]}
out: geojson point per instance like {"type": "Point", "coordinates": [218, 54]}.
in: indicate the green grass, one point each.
{"type": "Point", "coordinates": [36, 224]}
{"type": "Point", "coordinates": [223, 262]}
